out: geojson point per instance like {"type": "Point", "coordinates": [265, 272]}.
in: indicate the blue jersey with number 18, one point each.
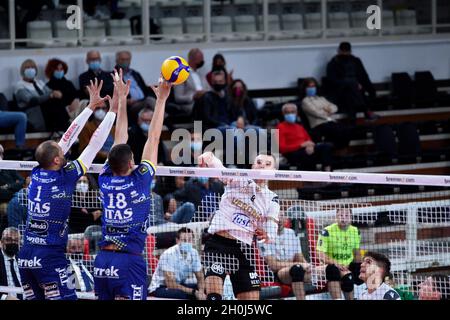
{"type": "Point", "coordinates": [126, 207]}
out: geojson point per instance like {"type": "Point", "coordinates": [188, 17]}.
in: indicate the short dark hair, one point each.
{"type": "Point", "coordinates": [345, 47]}
{"type": "Point", "coordinates": [118, 158]}
{"type": "Point", "coordinates": [45, 153]}
{"type": "Point", "coordinates": [381, 260]}
{"type": "Point", "coordinates": [183, 230]}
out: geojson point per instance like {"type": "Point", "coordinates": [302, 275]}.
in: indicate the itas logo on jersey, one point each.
{"type": "Point", "coordinates": [34, 263]}
{"type": "Point", "coordinates": [241, 220]}
{"type": "Point", "coordinates": [118, 215]}
{"type": "Point", "coordinates": [37, 207]}
{"type": "Point", "coordinates": [111, 272]}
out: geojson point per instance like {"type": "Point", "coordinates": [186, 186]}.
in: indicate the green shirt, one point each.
{"type": "Point", "coordinates": [339, 244]}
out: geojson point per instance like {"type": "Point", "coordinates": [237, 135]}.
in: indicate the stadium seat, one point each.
{"type": "Point", "coordinates": [339, 24]}
{"type": "Point", "coordinates": [359, 25]}
{"type": "Point", "coordinates": [408, 141]}
{"type": "Point", "coordinates": [274, 29]}
{"type": "Point", "coordinates": [222, 28]}
{"type": "Point", "coordinates": [406, 22]}
{"type": "Point", "coordinates": [387, 22]}
{"type": "Point", "coordinates": [122, 30]}
{"type": "Point", "coordinates": [65, 35]}
{"type": "Point", "coordinates": [425, 89]}
{"type": "Point", "coordinates": [40, 33]}
{"type": "Point", "coordinates": [292, 24]}
{"type": "Point", "coordinates": [385, 142]}
{"type": "Point", "coordinates": [402, 88]}
{"type": "Point", "coordinates": [246, 27]}
{"type": "Point", "coordinates": [95, 32]}
{"type": "Point", "coordinates": [194, 27]}
{"type": "Point", "coordinates": [172, 29]}
{"type": "Point", "coordinates": [313, 25]}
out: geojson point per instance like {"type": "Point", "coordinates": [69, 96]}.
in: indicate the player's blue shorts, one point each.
{"type": "Point", "coordinates": [120, 275]}
{"type": "Point", "coordinates": [43, 271]}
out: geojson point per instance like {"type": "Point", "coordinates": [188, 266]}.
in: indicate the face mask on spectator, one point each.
{"type": "Point", "coordinates": [99, 114]}
{"type": "Point", "coordinates": [11, 249]}
{"type": "Point", "coordinates": [185, 246]}
{"type": "Point", "coordinates": [58, 74]}
{"type": "Point", "coordinates": [203, 180]}
{"type": "Point", "coordinates": [200, 64]}
{"type": "Point", "coordinates": [124, 66]}
{"type": "Point", "coordinates": [29, 73]}
{"type": "Point", "coordinates": [94, 65]}
{"type": "Point", "coordinates": [82, 187]}
{"type": "Point", "coordinates": [311, 91]}
{"type": "Point", "coordinates": [290, 117]}
{"type": "Point", "coordinates": [219, 87]}
{"type": "Point", "coordinates": [196, 145]}
{"type": "Point", "coordinates": [238, 92]}
{"type": "Point", "coordinates": [144, 126]}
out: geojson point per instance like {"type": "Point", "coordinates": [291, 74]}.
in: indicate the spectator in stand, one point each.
{"type": "Point", "coordinates": [216, 103]}
{"type": "Point", "coordinates": [435, 287]}
{"type": "Point", "coordinates": [318, 111]}
{"type": "Point", "coordinates": [55, 71]}
{"type": "Point", "coordinates": [16, 120]}
{"type": "Point", "coordinates": [89, 129]}
{"type": "Point", "coordinates": [177, 266]}
{"type": "Point", "coordinates": [9, 269]}
{"type": "Point", "coordinates": [187, 93]}
{"type": "Point", "coordinates": [33, 97]}
{"type": "Point", "coordinates": [94, 62]}
{"type": "Point", "coordinates": [17, 207]}
{"type": "Point", "coordinates": [138, 136]}
{"type": "Point", "coordinates": [349, 82]}
{"type": "Point", "coordinates": [242, 108]}
{"type": "Point", "coordinates": [140, 96]}
{"type": "Point", "coordinates": [284, 257]}
{"type": "Point", "coordinates": [297, 146]}
{"type": "Point", "coordinates": [219, 62]}
{"type": "Point", "coordinates": [83, 215]}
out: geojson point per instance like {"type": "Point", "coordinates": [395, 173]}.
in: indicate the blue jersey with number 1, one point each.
{"type": "Point", "coordinates": [126, 207]}
{"type": "Point", "coordinates": [49, 201]}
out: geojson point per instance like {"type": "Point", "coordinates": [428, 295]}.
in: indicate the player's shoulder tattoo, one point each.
{"type": "Point", "coordinates": [391, 295]}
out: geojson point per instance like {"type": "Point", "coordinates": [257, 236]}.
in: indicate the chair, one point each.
{"type": "Point", "coordinates": [222, 28]}
{"type": "Point", "coordinates": [40, 33]}
{"type": "Point", "coordinates": [194, 28]}
{"type": "Point", "coordinates": [339, 21]}
{"type": "Point", "coordinates": [401, 91]}
{"type": "Point", "coordinates": [425, 89]}
{"type": "Point", "coordinates": [387, 22]}
{"type": "Point", "coordinates": [246, 24]}
{"type": "Point", "coordinates": [385, 142]}
{"type": "Point", "coordinates": [292, 24]}
{"type": "Point", "coordinates": [406, 22]}
{"type": "Point", "coordinates": [172, 29]}
{"type": "Point", "coordinates": [408, 140]}
{"type": "Point", "coordinates": [121, 29]}
{"type": "Point", "coordinates": [313, 25]}
{"type": "Point", "coordinates": [359, 25]}
{"type": "Point", "coordinates": [65, 35]}
{"type": "Point", "coordinates": [95, 32]}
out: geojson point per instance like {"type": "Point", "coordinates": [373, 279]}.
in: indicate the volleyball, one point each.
{"type": "Point", "coordinates": [175, 69]}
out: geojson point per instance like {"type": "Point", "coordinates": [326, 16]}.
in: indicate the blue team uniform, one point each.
{"type": "Point", "coordinates": [122, 274]}
{"type": "Point", "coordinates": [42, 261]}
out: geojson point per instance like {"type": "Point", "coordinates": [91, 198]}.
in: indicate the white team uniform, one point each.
{"type": "Point", "coordinates": [383, 292]}
{"type": "Point", "coordinates": [243, 208]}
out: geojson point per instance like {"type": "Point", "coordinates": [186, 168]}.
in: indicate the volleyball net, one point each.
{"type": "Point", "coordinates": [404, 217]}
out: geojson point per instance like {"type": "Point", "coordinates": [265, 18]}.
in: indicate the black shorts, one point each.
{"type": "Point", "coordinates": [224, 256]}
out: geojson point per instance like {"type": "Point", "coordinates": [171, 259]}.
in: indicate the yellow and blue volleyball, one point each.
{"type": "Point", "coordinates": [175, 70]}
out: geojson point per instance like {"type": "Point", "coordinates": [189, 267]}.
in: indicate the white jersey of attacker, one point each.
{"type": "Point", "coordinates": [243, 208]}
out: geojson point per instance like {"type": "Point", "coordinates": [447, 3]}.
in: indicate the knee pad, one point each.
{"type": "Point", "coordinates": [213, 296]}
{"type": "Point", "coordinates": [347, 283]}
{"type": "Point", "coordinates": [297, 273]}
{"type": "Point", "coordinates": [332, 273]}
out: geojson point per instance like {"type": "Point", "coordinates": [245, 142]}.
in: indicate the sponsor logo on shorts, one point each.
{"type": "Point", "coordinates": [28, 291]}
{"type": "Point", "coordinates": [51, 291]}
{"type": "Point", "coordinates": [217, 268]}
{"type": "Point", "coordinates": [34, 263]}
{"type": "Point", "coordinates": [111, 272]}
{"type": "Point", "coordinates": [137, 292]}
{"type": "Point", "coordinates": [254, 279]}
